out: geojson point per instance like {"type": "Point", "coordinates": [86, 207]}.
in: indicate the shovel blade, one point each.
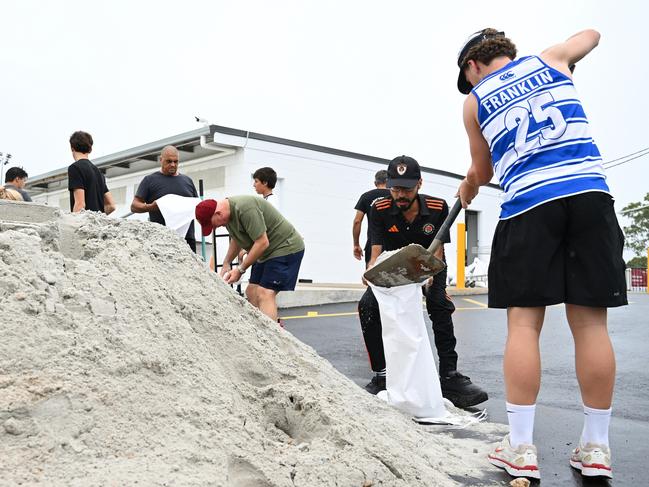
{"type": "Point", "coordinates": [412, 264]}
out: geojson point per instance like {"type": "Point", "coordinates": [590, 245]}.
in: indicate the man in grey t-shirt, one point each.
{"type": "Point", "coordinates": [15, 179]}
{"type": "Point", "coordinates": [163, 182]}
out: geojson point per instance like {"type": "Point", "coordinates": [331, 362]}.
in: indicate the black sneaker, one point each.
{"type": "Point", "coordinates": [376, 385]}
{"type": "Point", "coordinates": [459, 389]}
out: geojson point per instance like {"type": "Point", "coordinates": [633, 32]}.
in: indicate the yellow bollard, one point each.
{"type": "Point", "coordinates": [461, 254]}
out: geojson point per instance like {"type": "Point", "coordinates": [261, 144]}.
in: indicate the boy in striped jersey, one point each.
{"type": "Point", "coordinates": [557, 241]}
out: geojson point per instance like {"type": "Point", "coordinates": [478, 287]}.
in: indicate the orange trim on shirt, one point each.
{"type": "Point", "coordinates": [383, 207]}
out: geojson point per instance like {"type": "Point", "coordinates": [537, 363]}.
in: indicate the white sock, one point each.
{"type": "Point", "coordinates": [381, 373]}
{"type": "Point", "coordinates": [596, 423]}
{"type": "Point", "coordinates": [521, 424]}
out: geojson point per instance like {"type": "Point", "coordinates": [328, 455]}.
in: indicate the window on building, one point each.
{"type": "Point", "coordinates": [213, 177]}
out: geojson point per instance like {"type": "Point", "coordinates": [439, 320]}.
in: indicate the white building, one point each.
{"type": "Point", "coordinates": [317, 190]}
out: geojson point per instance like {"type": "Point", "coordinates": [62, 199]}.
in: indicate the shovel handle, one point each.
{"type": "Point", "coordinates": [452, 215]}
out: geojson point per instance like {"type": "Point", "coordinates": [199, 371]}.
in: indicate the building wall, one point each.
{"type": "Point", "coordinates": [318, 194]}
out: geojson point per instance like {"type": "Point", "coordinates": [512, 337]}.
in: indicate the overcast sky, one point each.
{"type": "Point", "coordinates": [371, 76]}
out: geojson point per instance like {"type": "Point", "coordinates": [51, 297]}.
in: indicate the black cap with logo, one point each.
{"type": "Point", "coordinates": [404, 172]}
{"type": "Point", "coordinates": [476, 38]}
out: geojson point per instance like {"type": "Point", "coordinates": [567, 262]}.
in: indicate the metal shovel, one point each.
{"type": "Point", "coordinates": [413, 263]}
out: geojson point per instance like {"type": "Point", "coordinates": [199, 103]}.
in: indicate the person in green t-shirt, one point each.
{"type": "Point", "coordinates": [273, 245]}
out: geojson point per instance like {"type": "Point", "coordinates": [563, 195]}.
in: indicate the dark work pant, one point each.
{"type": "Point", "coordinates": [368, 252]}
{"type": "Point", "coordinates": [439, 307]}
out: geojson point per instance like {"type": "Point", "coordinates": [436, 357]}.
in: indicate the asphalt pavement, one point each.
{"type": "Point", "coordinates": [334, 332]}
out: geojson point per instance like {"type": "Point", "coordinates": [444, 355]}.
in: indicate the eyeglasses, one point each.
{"type": "Point", "coordinates": [401, 189]}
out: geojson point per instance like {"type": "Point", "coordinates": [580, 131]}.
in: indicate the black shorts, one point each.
{"type": "Point", "coordinates": [564, 251]}
{"type": "Point", "coordinates": [278, 273]}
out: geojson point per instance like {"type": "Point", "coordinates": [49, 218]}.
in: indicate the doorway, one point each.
{"type": "Point", "coordinates": [471, 222]}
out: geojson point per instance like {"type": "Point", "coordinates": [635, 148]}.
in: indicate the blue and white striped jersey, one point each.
{"type": "Point", "coordinates": [538, 134]}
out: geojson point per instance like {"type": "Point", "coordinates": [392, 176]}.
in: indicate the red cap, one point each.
{"type": "Point", "coordinates": [204, 211]}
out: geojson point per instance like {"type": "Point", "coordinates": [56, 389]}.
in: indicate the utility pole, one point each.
{"type": "Point", "coordinates": [4, 160]}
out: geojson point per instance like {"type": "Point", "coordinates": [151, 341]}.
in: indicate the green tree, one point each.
{"type": "Point", "coordinates": [637, 233]}
{"type": "Point", "coordinates": [637, 263]}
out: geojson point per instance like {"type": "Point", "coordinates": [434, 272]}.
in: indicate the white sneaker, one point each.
{"type": "Point", "coordinates": [517, 462]}
{"type": "Point", "coordinates": [593, 460]}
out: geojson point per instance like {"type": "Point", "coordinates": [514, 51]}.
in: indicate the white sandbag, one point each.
{"type": "Point", "coordinates": [454, 417]}
{"type": "Point", "coordinates": [412, 381]}
{"type": "Point", "coordinates": [178, 211]}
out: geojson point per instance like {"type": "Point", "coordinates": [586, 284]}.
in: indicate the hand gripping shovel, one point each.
{"type": "Point", "coordinates": [413, 263]}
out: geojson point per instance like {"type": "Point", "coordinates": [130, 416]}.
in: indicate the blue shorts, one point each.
{"type": "Point", "coordinates": [278, 273]}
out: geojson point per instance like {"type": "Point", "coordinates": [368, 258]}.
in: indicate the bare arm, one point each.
{"type": "Point", "coordinates": [233, 250]}
{"type": "Point", "coordinates": [79, 195]}
{"type": "Point", "coordinates": [376, 251]}
{"type": "Point", "coordinates": [481, 170]}
{"type": "Point", "coordinates": [565, 54]}
{"type": "Point", "coordinates": [356, 233]}
{"type": "Point", "coordinates": [109, 203]}
{"type": "Point", "coordinates": [256, 251]}
{"type": "Point", "coordinates": [138, 205]}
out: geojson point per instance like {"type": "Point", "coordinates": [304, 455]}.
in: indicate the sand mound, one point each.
{"type": "Point", "coordinates": [124, 361]}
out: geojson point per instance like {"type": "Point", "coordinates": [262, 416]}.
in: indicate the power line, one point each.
{"type": "Point", "coordinates": [628, 155]}
{"type": "Point", "coordinates": [627, 160]}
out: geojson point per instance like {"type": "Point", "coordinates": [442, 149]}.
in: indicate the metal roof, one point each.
{"type": "Point", "coordinates": [188, 143]}
{"type": "Point", "coordinates": [121, 162]}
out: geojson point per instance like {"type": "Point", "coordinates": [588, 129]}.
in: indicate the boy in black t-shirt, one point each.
{"type": "Point", "coordinates": [87, 185]}
{"type": "Point", "coordinates": [363, 208]}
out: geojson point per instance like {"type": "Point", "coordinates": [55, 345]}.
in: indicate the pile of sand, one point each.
{"type": "Point", "coordinates": [124, 361]}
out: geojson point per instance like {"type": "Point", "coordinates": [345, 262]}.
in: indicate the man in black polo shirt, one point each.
{"type": "Point", "coordinates": [403, 218]}
{"type": "Point", "coordinates": [163, 182]}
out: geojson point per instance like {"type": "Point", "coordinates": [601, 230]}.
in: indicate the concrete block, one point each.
{"type": "Point", "coordinates": [20, 211]}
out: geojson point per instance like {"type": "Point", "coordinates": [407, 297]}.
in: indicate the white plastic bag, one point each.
{"type": "Point", "coordinates": [412, 381]}
{"type": "Point", "coordinates": [178, 211]}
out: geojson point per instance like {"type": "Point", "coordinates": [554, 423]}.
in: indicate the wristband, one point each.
{"type": "Point", "coordinates": [241, 270]}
